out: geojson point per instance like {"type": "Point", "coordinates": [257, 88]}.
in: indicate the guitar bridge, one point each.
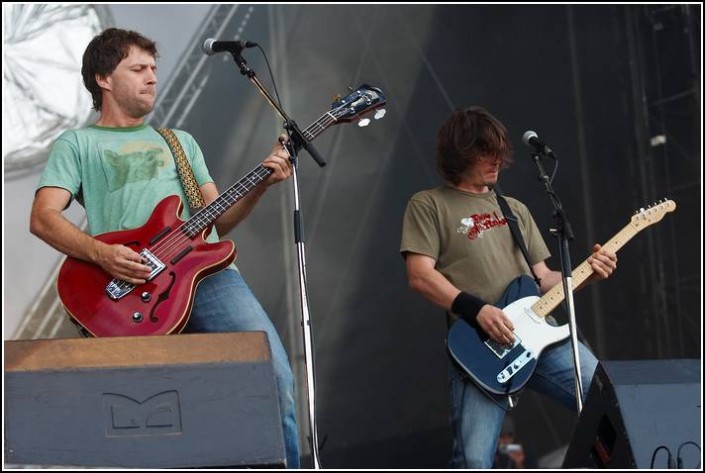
{"type": "Point", "coordinates": [117, 288]}
{"type": "Point", "coordinates": [500, 350]}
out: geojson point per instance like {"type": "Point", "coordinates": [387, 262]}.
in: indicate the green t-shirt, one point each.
{"type": "Point", "coordinates": [470, 240]}
{"type": "Point", "coordinates": [120, 174]}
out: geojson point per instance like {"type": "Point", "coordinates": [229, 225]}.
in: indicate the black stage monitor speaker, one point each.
{"type": "Point", "coordinates": [193, 400]}
{"type": "Point", "coordinates": [640, 414]}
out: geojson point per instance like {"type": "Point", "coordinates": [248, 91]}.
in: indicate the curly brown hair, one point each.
{"type": "Point", "coordinates": [465, 137]}
{"type": "Point", "coordinates": [104, 53]}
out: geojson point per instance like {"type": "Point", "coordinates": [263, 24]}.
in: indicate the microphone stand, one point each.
{"type": "Point", "coordinates": [565, 234]}
{"type": "Point", "coordinates": [298, 141]}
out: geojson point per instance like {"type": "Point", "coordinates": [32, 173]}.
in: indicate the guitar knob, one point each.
{"type": "Point", "coordinates": [137, 317]}
{"type": "Point", "coordinates": [145, 296]}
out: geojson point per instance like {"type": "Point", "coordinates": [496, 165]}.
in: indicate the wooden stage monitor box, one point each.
{"type": "Point", "coordinates": [146, 402]}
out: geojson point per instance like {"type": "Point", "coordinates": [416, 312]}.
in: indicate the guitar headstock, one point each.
{"type": "Point", "coordinates": [358, 103]}
{"type": "Point", "coordinates": [653, 213]}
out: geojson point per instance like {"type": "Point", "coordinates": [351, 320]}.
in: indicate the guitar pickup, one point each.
{"type": "Point", "coordinates": [117, 288]}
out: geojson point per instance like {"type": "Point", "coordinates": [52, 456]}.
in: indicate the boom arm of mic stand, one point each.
{"type": "Point", "coordinates": [301, 142]}
{"type": "Point", "coordinates": [299, 139]}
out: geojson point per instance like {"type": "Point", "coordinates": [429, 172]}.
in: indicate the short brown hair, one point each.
{"type": "Point", "coordinates": [104, 53]}
{"type": "Point", "coordinates": [467, 135]}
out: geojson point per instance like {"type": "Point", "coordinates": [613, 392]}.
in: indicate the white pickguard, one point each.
{"type": "Point", "coordinates": [534, 332]}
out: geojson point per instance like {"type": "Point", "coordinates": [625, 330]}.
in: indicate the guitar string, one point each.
{"type": "Point", "coordinates": [556, 295]}
{"type": "Point", "coordinates": [179, 235]}
{"type": "Point", "coordinates": [323, 123]}
{"type": "Point", "coordinates": [197, 223]}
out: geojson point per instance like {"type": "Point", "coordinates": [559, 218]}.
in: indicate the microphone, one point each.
{"type": "Point", "coordinates": [212, 46]}
{"type": "Point", "coordinates": [531, 139]}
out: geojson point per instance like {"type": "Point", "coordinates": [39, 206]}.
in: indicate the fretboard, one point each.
{"type": "Point", "coordinates": [555, 295]}
{"type": "Point", "coordinates": [211, 212]}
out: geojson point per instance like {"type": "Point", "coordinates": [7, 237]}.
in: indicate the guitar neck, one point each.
{"type": "Point", "coordinates": [211, 212]}
{"type": "Point", "coordinates": [555, 296]}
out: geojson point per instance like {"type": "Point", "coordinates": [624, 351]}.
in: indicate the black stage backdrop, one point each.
{"type": "Point", "coordinates": [597, 82]}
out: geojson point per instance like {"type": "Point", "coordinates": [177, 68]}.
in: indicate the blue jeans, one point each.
{"type": "Point", "coordinates": [224, 303]}
{"type": "Point", "coordinates": [477, 420]}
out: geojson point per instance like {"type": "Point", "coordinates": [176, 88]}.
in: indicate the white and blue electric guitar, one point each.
{"type": "Point", "coordinates": [505, 369]}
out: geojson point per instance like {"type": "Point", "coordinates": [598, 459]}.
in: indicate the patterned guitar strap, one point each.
{"type": "Point", "coordinates": [188, 180]}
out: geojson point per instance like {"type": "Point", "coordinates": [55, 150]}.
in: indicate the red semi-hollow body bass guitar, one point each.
{"type": "Point", "coordinates": [176, 251]}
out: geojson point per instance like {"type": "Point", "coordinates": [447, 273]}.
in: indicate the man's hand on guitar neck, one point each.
{"type": "Point", "coordinates": [278, 161]}
{"type": "Point", "coordinates": [603, 263]}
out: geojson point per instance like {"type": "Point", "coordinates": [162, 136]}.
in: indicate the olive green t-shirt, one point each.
{"type": "Point", "coordinates": [470, 240]}
{"type": "Point", "coordinates": [119, 175]}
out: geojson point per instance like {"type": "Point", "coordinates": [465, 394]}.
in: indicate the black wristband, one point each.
{"type": "Point", "coordinates": [467, 307]}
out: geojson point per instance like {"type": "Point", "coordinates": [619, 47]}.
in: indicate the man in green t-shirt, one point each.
{"type": "Point", "coordinates": [120, 168]}
{"type": "Point", "coordinates": [460, 255]}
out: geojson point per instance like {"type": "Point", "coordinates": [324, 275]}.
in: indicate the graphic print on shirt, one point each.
{"type": "Point", "coordinates": [465, 225]}
{"type": "Point", "coordinates": [476, 225]}
{"type": "Point", "coordinates": [140, 163]}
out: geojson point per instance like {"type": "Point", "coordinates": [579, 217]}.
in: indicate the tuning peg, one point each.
{"type": "Point", "coordinates": [379, 114]}
{"type": "Point", "coordinates": [350, 89]}
{"type": "Point", "coordinates": [337, 98]}
{"type": "Point", "coordinates": [363, 122]}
